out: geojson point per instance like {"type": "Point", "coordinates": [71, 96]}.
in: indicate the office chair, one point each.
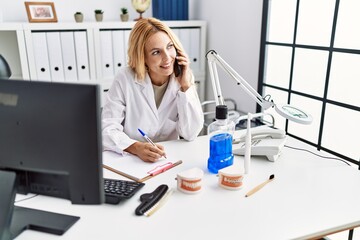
{"type": "Point", "coordinates": [5, 71]}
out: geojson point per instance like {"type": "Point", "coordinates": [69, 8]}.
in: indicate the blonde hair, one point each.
{"type": "Point", "coordinates": [142, 31]}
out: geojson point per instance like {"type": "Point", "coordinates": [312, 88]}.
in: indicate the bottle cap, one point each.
{"type": "Point", "coordinates": [221, 112]}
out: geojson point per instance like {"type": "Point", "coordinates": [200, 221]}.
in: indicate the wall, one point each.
{"type": "Point", "coordinates": [233, 31]}
{"type": "Point", "coordinates": [234, 28]}
{"type": "Point", "coordinates": [65, 9]}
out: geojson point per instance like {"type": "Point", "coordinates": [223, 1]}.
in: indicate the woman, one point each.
{"type": "Point", "coordinates": [147, 95]}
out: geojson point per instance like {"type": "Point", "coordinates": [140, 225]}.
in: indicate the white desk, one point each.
{"type": "Point", "coordinates": [310, 196]}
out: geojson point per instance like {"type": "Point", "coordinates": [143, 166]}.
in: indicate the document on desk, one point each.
{"type": "Point", "coordinates": [132, 167]}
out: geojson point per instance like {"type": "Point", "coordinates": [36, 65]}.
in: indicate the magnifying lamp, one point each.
{"type": "Point", "coordinates": [289, 112]}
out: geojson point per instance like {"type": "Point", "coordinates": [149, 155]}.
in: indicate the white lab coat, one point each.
{"type": "Point", "coordinates": [130, 104]}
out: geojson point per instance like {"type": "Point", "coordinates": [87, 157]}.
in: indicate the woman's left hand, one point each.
{"type": "Point", "coordinates": [185, 78]}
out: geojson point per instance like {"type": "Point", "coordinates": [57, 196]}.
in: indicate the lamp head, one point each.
{"type": "Point", "coordinates": [5, 71]}
{"type": "Point", "coordinates": [293, 114]}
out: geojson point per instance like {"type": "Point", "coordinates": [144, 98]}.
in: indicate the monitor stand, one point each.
{"type": "Point", "coordinates": [18, 219]}
{"type": "Point", "coordinates": [38, 220]}
{"type": "Point", "coordinates": [7, 189]}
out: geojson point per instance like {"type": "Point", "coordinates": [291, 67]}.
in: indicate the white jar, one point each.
{"type": "Point", "coordinates": [190, 181]}
{"type": "Point", "coordinates": [231, 178]}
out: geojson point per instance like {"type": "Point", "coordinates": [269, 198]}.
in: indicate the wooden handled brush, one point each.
{"type": "Point", "coordinates": [260, 186]}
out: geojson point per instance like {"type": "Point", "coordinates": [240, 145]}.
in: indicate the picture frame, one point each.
{"type": "Point", "coordinates": [41, 11]}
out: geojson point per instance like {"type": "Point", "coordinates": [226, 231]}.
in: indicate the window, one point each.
{"type": "Point", "coordinates": [310, 58]}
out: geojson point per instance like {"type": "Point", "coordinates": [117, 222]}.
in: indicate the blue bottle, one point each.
{"type": "Point", "coordinates": [221, 135]}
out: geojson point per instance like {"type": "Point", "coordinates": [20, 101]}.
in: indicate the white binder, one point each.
{"type": "Point", "coordinates": [106, 54]}
{"type": "Point", "coordinates": [184, 36]}
{"type": "Point", "coordinates": [69, 58]}
{"type": "Point", "coordinates": [190, 38]}
{"type": "Point", "coordinates": [119, 49]}
{"type": "Point", "coordinates": [194, 52]}
{"type": "Point", "coordinates": [55, 56]}
{"type": "Point", "coordinates": [176, 31]}
{"type": "Point", "coordinates": [41, 56]}
{"type": "Point", "coordinates": [82, 58]}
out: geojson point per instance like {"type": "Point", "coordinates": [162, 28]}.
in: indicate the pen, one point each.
{"type": "Point", "coordinates": [147, 138]}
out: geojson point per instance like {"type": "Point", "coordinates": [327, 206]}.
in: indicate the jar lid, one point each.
{"type": "Point", "coordinates": [191, 174]}
{"type": "Point", "coordinates": [232, 170]}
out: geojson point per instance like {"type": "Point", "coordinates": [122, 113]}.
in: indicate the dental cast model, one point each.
{"type": "Point", "coordinates": [190, 181]}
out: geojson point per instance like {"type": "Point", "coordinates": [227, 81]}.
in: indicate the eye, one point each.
{"type": "Point", "coordinates": [155, 52]}
{"type": "Point", "coordinates": [170, 46]}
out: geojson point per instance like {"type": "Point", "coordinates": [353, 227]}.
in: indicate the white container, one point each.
{"type": "Point", "coordinates": [190, 181]}
{"type": "Point", "coordinates": [231, 178]}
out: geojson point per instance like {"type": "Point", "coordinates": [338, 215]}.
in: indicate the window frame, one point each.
{"type": "Point", "coordinates": [323, 99]}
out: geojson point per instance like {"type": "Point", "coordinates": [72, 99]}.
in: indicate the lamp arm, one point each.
{"type": "Point", "coordinates": [213, 59]}
{"type": "Point", "coordinates": [214, 76]}
{"type": "Point", "coordinates": [287, 111]}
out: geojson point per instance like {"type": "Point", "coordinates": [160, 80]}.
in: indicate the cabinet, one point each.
{"type": "Point", "coordinates": [87, 52]}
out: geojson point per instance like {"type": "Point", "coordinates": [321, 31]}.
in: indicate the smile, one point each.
{"type": "Point", "coordinates": [166, 65]}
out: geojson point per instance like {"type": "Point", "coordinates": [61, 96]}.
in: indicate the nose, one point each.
{"type": "Point", "coordinates": [168, 54]}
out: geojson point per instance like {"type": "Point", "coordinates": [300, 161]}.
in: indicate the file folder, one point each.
{"type": "Point", "coordinates": [194, 51]}
{"type": "Point", "coordinates": [55, 56]}
{"type": "Point", "coordinates": [41, 56]}
{"type": "Point", "coordinates": [82, 57]}
{"type": "Point", "coordinates": [106, 47]}
{"type": "Point", "coordinates": [120, 50]}
{"type": "Point", "coordinates": [190, 38]}
{"type": "Point", "coordinates": [69, 58]}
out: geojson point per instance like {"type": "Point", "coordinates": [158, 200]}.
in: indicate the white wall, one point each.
{"type": "Point", "coordinates": [233, 31]}
{"type": "Point", "coordinates": [234, 28]}
{"type": "Point", "coordinates": [65, 9]}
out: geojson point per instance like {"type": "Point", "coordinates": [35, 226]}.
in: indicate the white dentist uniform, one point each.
{"type": "Point", "coordinates": [130, 104]}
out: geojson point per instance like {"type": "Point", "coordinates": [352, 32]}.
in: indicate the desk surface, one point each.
{"type": "Point", "coordinates": [310, 196]}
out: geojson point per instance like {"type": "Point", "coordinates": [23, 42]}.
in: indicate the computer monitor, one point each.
{"type": "Point", "coordinates": [50, 137]}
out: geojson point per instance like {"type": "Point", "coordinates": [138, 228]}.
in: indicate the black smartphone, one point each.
{"type": "Point", "coordinates": [177, 68]}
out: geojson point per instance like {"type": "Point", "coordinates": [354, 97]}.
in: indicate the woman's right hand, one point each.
{"type": "Point", "coordinates": [146, 151]}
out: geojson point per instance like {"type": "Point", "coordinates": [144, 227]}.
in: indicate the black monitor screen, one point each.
{"type": "Point", "coordinates": [50, 136]}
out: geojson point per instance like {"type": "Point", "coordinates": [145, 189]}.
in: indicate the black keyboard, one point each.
{"type": "Point", "coordinates": [116, 190]}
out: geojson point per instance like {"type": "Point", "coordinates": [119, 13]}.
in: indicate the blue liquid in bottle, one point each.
{"type": "Point", "coordinates": [221, 135]}
{"type": "Point", "coordinates": [221, 155]}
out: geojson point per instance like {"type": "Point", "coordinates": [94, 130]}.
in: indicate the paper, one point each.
{"type": "Point", "coordinates": [133, 167]}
